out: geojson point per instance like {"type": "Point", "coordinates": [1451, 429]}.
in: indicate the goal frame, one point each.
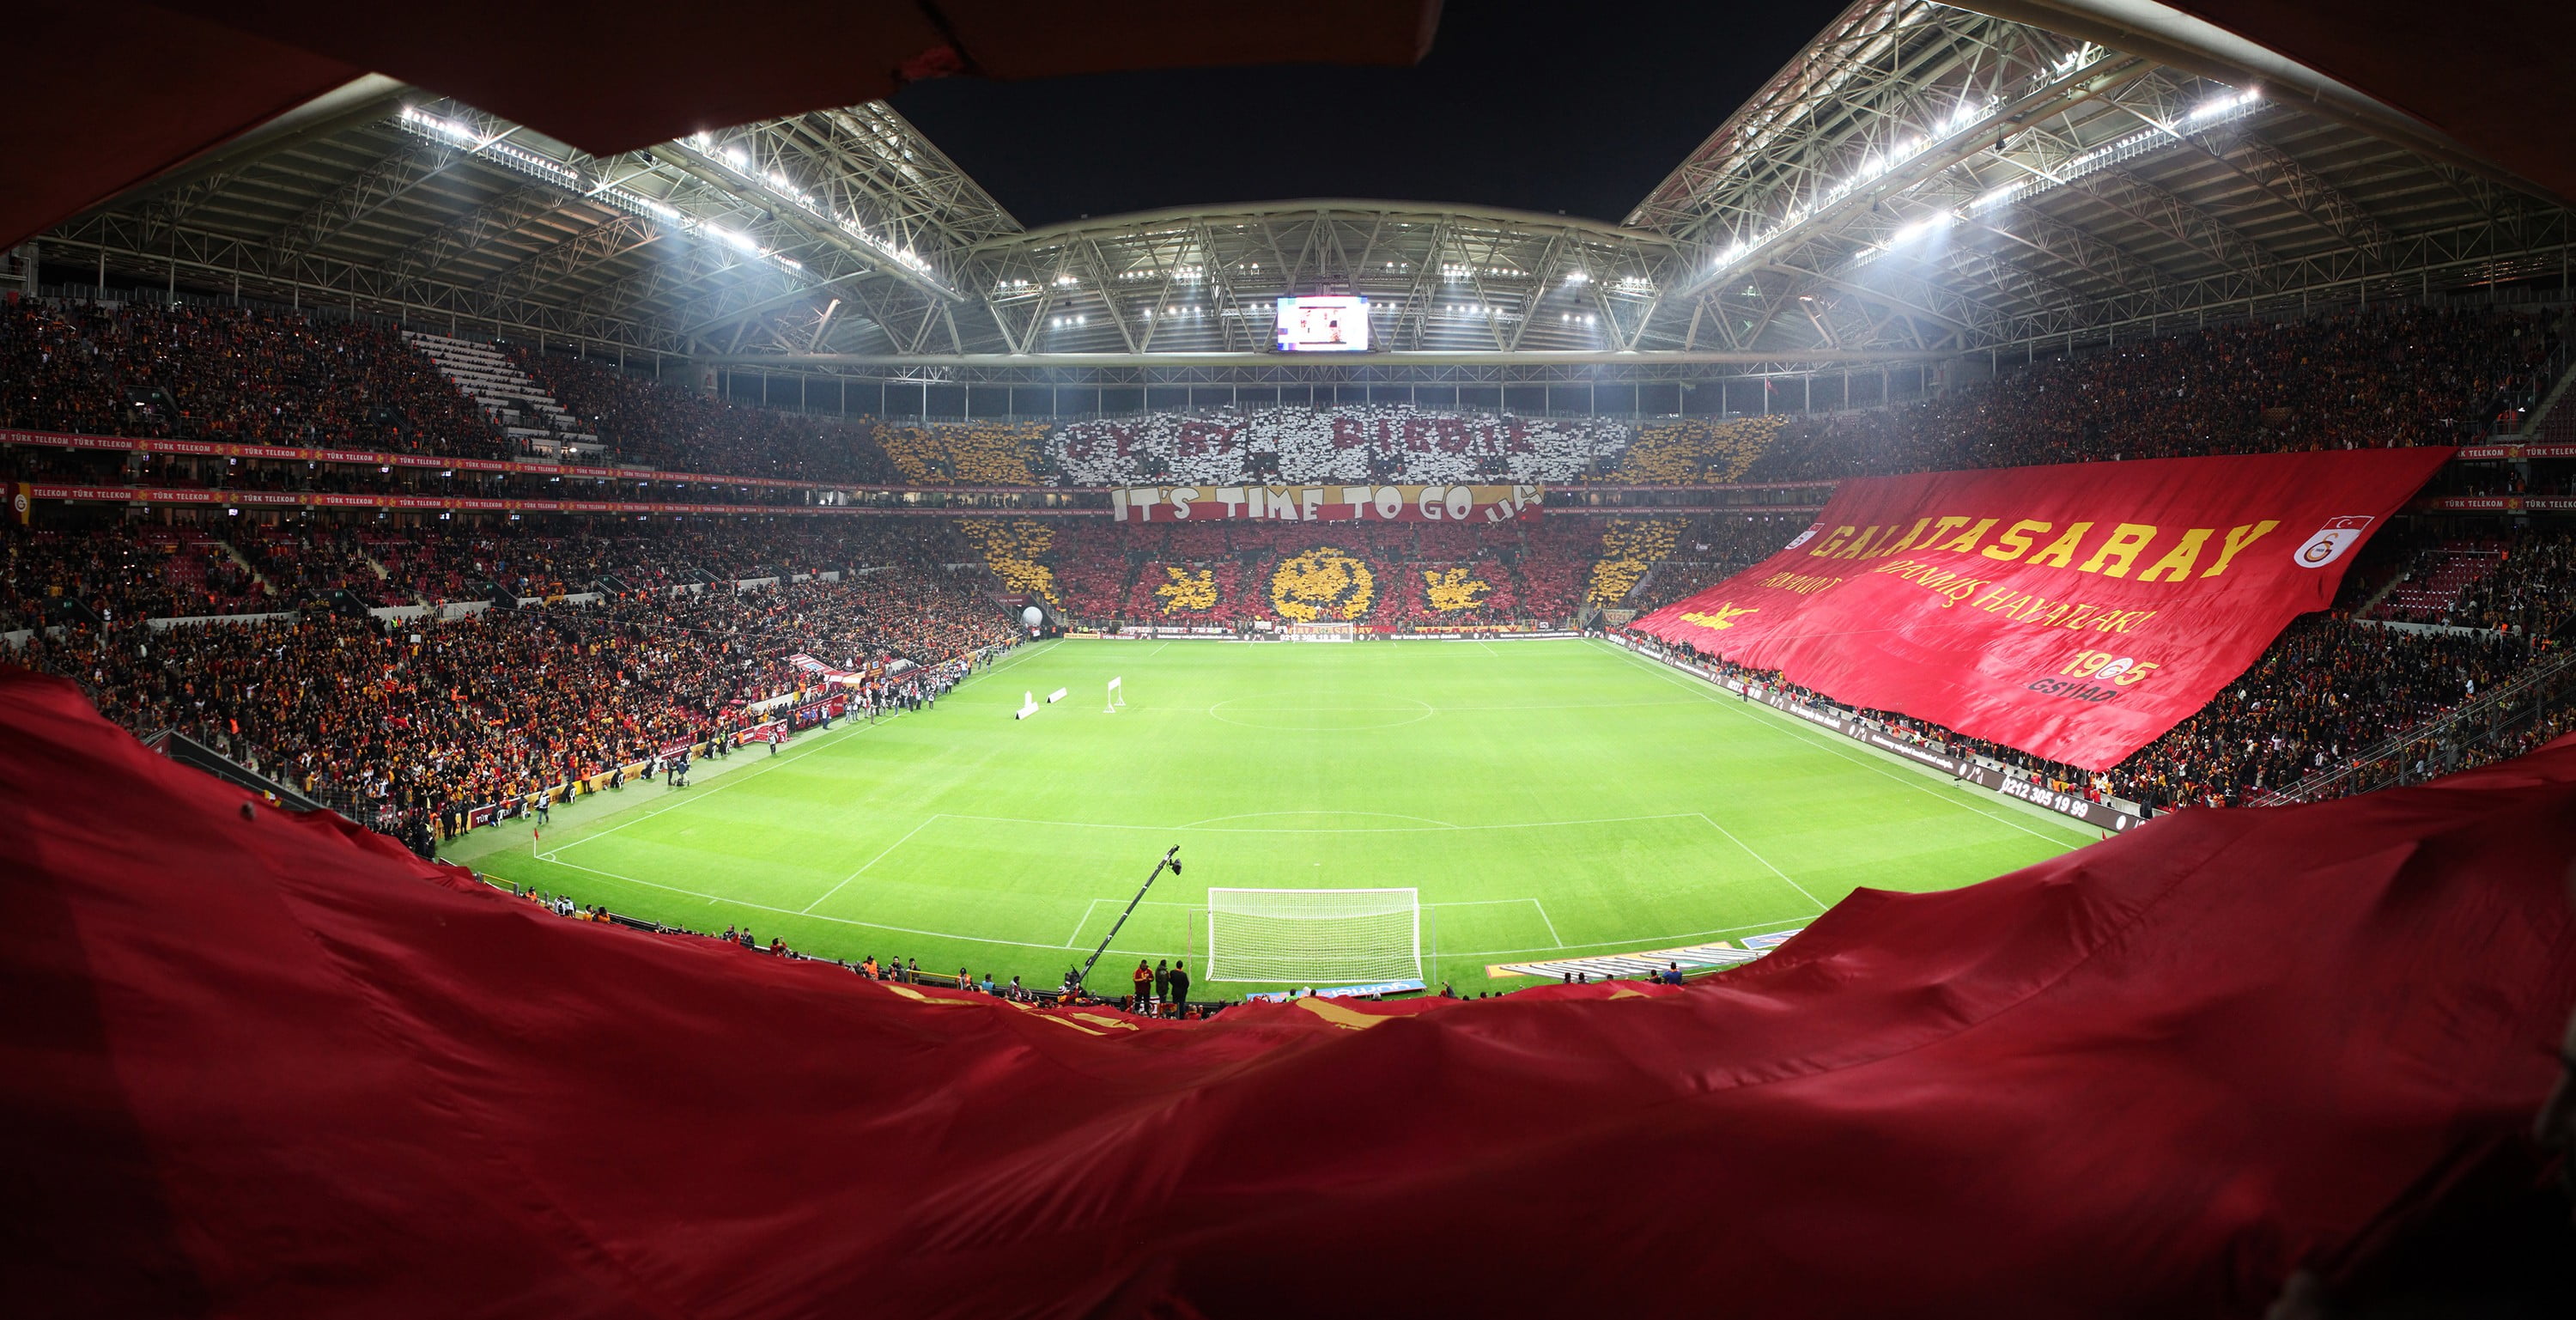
{"type": "Point", "coordinates": [1117, 696]}
{"type": "Point", "coordinates": [1210, 954]}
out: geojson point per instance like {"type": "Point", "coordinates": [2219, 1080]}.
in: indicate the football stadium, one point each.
{"type": "Point", "coordinates": [623, 691]}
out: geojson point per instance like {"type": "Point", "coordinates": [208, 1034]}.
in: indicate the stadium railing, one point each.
{"type": "Point", "coordinates": [2523, 705]}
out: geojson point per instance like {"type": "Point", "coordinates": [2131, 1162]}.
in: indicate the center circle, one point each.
{"type": "Point", "coordinates": [1368, 713]}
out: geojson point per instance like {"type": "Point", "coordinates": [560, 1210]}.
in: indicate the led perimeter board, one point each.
{"type": "Point", "coordinates": [1324, 323]}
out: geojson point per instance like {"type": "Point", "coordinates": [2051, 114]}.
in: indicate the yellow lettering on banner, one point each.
{"type": "Point", "coordinates": [1967, 540]}
{"type": "Point", "coordinates": [2015, 542]}
{"type": "Point", "coordinates": [2136, 617]}
{"type": "Point", "coordinates": [1995, 599]}
{"type": "Point", "coordinates": [1833, 542]}
{"type": "Point", "coordinates": [2114, 556]}
{"type": "Point", "coordinates": [1725, 617]}
{"type": "Point", "coordinates": [2176, 565]}
{"type": "Point", "coordinates": [1919, 525]}
{"type": "Point", "coordinates": [1852, 549]}
{"type": "Point", "coordinates": [2237, 539]}
{"type": "Point", "coordinates": [1939, 530]}
{"type": "Point", "coordinates": [2082, 613]}
{"type": "Point", "coordinates": [2061, 552]}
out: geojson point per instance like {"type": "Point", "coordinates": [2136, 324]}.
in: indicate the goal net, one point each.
{"type": "Point", "coordinates": [1314, 935]}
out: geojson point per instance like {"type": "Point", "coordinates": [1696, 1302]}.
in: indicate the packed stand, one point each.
{"type": "Point", "coordinates": [1687, 451]}
{"type": "Point", "coordinates": [421, 717]}
{"type": "Point", "coordinates": [230, 375]}
{"type": "Point", "coordinates": [1383, 445]}
{"type": "Point", "coordinates": [1400, 575]}
{"type": "Point", "coordinates": [2520, 585]}
{"type": "Point", "coordinates": [117, 573]}
{"type": "Point", "coordinates": [2323, 691]}
{"type": "Point", "coordinates": [644, 421]}
{"type": "Point", "coordinates": [2363, 380]}
{"type": "Point", "coordinates": [965, 453]}
{"type": "Point", "coordinates": [1711, 549]}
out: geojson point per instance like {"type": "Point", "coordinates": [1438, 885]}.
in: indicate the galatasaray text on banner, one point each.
{"type": "Point", "coordinates": [2076, 612]}
{"type": "Point", "coordinates": [1325, 503]}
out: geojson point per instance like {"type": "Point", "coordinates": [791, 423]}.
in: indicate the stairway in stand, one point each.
{"type": "Point", "coordinates": [536, 424]}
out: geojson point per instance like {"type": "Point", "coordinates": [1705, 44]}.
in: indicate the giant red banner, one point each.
{"type": "Point", "coordinates": [2076, 612]}
{"type": "Point", "coordinates": [261, 1064]}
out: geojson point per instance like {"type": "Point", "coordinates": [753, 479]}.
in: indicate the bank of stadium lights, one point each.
{"type": "Point", "coordinates": [1461, 271]}
{"type": "Point", "coordinates": [1878, 163]}
{"type": "Point", "coordinates": [478, 144]}
{"type": "Point", "coordinates": [779, 185]}
{"type": "Point", "coordinates": [2213, 111]}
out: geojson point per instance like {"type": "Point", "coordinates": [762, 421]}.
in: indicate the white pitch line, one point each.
{"type": "Point", "coordinates": [1791, 728]}
{"type": "Point", "coordinates": [1766, 862]}
{"type": "Point", "coordinates": [1627, 944]}
{"type": "Point", "coordinates": [1551, 925]}
{"type": "Point", "coordinates": [1077, 926]}
{"type": "Point", "coordinates": [1406, 829]}
{"type": "Point", "coordinates": [821, 741]}
{"type": "Point", "coordinates": [844, 921]}
{"type": "Point", "coordinates": [881, 856]}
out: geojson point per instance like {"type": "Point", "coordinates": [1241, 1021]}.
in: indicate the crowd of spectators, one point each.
{"type": "Point", "coordinates": [965, 453]}
{"type": "Point", "coordinates": [651, 423]}
{"type": "Point", "coordinates": [423, 715]}
{"type": "Point", "coordinates": [2389, 377]}
{"type": "Point", "coordinates": [115, 572]}
{"type": "Point", "coordinates": [229, 374]}
{"type": "Point", "coordinates": [1684, 451]}
{"type": "Point", "coordinates": [1382, 444]}
{"type": "Point", "coordinates": [1389, 574]}
{"type": "Point", "coordinates": [2523, 584]}
{"type": "Point", "coordinates": [2327, 688]}
{"type": "Point", "coordinates": [1712, 548]}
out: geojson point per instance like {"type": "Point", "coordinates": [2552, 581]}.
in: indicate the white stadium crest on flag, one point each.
{"type": "Point", "coordinates": [2330, 542]}
{"type": "Point", "coordinates": [1805, 536]}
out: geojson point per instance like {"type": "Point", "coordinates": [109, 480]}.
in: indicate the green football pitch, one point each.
{"type": "Point", "coordinates": [1547, 799]}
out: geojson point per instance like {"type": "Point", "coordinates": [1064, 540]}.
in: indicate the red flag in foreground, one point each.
{"type": "Point", "coordinates": [261, 1064]}
{"type": "Point", "coordinates": [2077, 611]}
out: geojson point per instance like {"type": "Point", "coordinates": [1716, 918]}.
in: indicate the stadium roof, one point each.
{"type": "Point", "coordinates": [1921, 181]}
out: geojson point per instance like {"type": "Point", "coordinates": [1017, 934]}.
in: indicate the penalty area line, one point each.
{"type": "Point", "coordinates": [863, 867]}
{"type": "Point", "coordinates": [1766, 862]}
{"type": "Point", "coordinates": [838, 921]}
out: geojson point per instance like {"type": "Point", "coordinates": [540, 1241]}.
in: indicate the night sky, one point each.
{"type": "Point", "coordinates": [1557, 106]}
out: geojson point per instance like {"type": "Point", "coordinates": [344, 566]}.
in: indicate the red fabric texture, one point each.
{"type": "Point", "coordinates": [2002, 602]}
{"type": "Point", "coordinates": [265, 1065]}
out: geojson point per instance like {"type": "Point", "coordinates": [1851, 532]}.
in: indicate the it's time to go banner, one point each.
{"type": "Point", "coordinates": [1325, 503]}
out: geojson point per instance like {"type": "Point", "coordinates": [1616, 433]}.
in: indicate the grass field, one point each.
{"type": "Point", "coordinates": [1547, 798]}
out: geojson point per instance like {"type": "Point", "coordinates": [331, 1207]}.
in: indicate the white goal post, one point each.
{"type": "Point", "coordinates": [1312, 936]}
{"type": "Point", "coordinates": [1117, 697]}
